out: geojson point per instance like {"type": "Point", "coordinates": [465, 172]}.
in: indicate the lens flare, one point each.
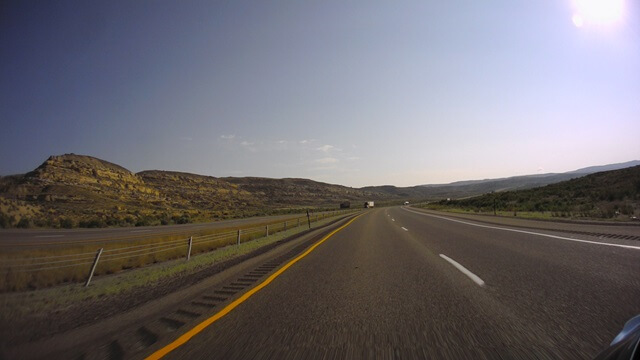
{"type": "Point", "coordinates": [597, 12]}
{"type": "Point", "coordinates": [577, 20]}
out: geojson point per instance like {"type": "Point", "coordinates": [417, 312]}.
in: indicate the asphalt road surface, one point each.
{"type": "Point", "coordinates": [34, 237]}
{"type": "Point", "coordinates": [398, 283]}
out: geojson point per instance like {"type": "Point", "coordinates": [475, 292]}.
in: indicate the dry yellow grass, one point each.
{"type": "Point", "coordinates": [29, 268]}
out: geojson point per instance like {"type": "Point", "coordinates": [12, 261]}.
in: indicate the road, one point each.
{"type": "Point", "coordinates": [382, 288]}
{"type": "Point", "coordinates": [37, 237]}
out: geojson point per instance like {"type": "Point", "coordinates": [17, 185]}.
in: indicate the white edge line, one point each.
{"type": "Point", "coordinates": [405, 229]}
{"type": "Point", "coordinates": [464, 270]}
{"type": "Point", "coordinates": [527, 232]}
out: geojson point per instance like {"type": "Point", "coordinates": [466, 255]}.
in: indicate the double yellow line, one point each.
{"type": "Point", "coordinates": [227, 309]}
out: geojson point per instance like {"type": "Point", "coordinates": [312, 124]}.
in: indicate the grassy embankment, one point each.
{"type": "Point", "coordinates": [59, 297]}
{"type": "Point", "coordinates": [611, 195]}
{"type": "Point", "coordinates": [539, 215]}
{"type": "Point", "coordinates": [30, 268]}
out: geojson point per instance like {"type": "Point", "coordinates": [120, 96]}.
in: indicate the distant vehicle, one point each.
{"type": "Point", "coordinates": [625, 346]}
{"type": "Point", "coordinates": [406, 203]}
{"type": "Point", "coordinates": [368, 204]}
{"type": "Point", "coordinates": [345, 205]}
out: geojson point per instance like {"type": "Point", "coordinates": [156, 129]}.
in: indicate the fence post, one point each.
{"type": "Point", "coordinates": [298, 223]}
{"type": "Point", "coordinates": [308, 218]}
{"type": "Point", "coordinates": [239, 237]}
{"type": "Point", "coordinates": [93, 268]}
{"type": "Point", "coordinates": [267, 230]}
{"type": "Point", "coordinates": [189, 250]}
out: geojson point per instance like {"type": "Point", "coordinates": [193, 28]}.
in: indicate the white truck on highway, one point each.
{"type": "Point", "coordinates": [368, 204]}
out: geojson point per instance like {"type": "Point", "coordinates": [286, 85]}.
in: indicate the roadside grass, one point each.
{"type": "Point", "coordinates": [19, 304]}
{"type": "Point", "coordinates": [603, 196]}
{"type": "Point", "coordinates": [31, 268]}
{"type": "Point", "coordinates": [544, 215]}
{"type": "Point", "coordinates": [533, 215]}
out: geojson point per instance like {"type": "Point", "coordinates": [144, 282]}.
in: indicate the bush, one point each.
{"type": "Point", "coordinates": [39, 222]}
{"type": "Point", "coordinates": [24, 223]}
{"type": "Point", "coordinates": [183, 220]}
{"type": "Point", "coordinates": [6, 221]}
{"type": "Point", "coordinates": [144, 221]}
{"type": "Point", "coordinates": [66, 223]}
{"type": "Point", "coordinates": [93, 223]}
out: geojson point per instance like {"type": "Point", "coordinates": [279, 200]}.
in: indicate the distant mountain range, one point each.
{"type": "Point", "coordinates": [76, 190]}
{"type": "Point", "coordinates": [461, 189]}
{"type": "Point", "coordinates": [603, 194]}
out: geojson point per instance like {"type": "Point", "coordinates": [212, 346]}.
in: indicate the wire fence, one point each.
{"type": "Point", "coordinates": [58, 265]}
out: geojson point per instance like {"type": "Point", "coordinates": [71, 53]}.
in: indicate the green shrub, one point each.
{"type": "Point", "coordinates": [6, 221]}
{"type": "Point", "coordinates": [24, 223]}
{"type": "Point", "coordinates": [66, 223]}
{"type": "Point", "coordinates": [93, 223]}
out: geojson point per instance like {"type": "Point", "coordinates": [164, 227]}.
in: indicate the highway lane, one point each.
{"type": "Point", "coordinates": [379, 288]}
{"type": "Point", "coordinates": [583, 291]}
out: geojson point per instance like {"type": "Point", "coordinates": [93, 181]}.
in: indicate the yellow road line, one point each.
{"type": "Point", "coordinates": [227, 309]}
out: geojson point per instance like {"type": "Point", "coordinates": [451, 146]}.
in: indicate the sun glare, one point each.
{"type": "Point", "coordinates": [577, 20]}
{"type": "Point", "coordinates": [597, 12]}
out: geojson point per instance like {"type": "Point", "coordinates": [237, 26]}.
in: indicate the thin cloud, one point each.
{"type": "Point", "coordinates": [227, 137]}
{"type": "Point", "coordinates": [249, 146]}
{"type": "Point", "coordinates": [326, 148]}
{"type": "Point", "coordinates": [327, 160]}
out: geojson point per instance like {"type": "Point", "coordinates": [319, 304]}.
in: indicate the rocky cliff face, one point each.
{"type": "Point", "coordinates": [90, 174]}
{"type": "Point", "coordinates": [82, 188]}
{"type": "Point", "coordinates": [183, 190]}
{"type": "Point", "coordinates": [300, 191]}
{"type": "Point", "coordinates": [87, 191]}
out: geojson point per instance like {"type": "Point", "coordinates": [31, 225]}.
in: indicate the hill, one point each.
{"type": "Point", "coordinates": [468, 188]}
{"type": "Point", "coordinates": [609, 194]}
{"type": "Point", "coordinates": [595, 169]}
{"type": "Point", "coordinates": [302, 192]}
{"type": "Point", "coordinates": [75, 190]}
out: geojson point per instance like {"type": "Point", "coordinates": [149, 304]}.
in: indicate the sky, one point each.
{"type": "Point", "coordinates": [355, 93]}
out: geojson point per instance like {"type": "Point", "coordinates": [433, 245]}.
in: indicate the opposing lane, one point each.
{"type": "Point", "coordinates": [375, 289]}
{"type": "Point", "coordinates": [37, 237]}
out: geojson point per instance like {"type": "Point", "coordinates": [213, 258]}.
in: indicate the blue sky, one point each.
{"type": "Point", "coordinates": [349, 92]}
